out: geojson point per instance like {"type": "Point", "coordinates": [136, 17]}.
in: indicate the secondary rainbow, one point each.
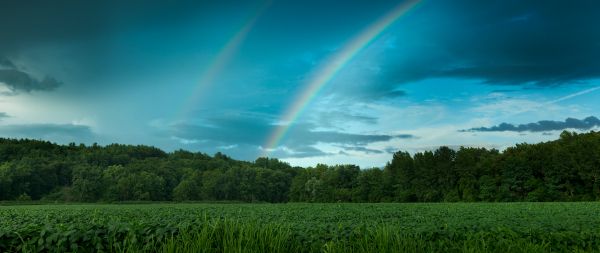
{"type": "Point", "coordinates": [330, 69]}
{"type": "Point", "coordinates": [220, 61]}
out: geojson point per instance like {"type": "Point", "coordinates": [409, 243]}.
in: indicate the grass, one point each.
{"type": "Point", "coordinates": [233, 236]}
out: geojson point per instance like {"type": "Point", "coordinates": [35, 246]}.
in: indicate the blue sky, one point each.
{"type": "Point", "coordinates": [466, 72]}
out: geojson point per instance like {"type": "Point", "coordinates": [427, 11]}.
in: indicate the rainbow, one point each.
{"type": "Point", "coordinates": [220, 61]}
{"type": "Point", "coordinates": [330, 69]}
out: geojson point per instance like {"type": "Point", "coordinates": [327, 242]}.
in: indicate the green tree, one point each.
{"type": "Point", "coordinates": [370, 188]}
{"type": "Point", "coordinates": [87, 183]}
{"type": "Point", "coordinates": [399, 176]}
{"type": "Point", "coordinates": [187, 189]}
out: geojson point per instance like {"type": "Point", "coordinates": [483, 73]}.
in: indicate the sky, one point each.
{"type": "Point", "coordinates": [334, 82]}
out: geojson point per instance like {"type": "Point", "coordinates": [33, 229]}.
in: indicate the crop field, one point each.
{"type": "Point", "coordinates": [441, 227]}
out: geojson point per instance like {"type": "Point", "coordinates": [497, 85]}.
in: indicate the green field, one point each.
{"type": "Point", "coordinates": [455, 227]}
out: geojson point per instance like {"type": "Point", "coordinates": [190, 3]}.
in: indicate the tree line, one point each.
{"type": "Point", "coordinates": [567, 169]}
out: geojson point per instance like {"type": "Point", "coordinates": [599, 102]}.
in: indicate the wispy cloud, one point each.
{"type": "Point", "coordinates": [299, 152]}
{"type": "Point", "coordinates": [362, 149]}
{"type": "Point", "coordinates": [576, 94]}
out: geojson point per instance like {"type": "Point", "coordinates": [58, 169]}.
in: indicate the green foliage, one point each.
{"type": "Point", "coordinates": [23, 197]}
{"type": "Point", "coordinates": [186, 190]}
{"type": "Point", "coordinates": [438, 227]}
{"type": "Point", "coordinates": [42, 170]}
{"type": "Point", "coordinates": [567, 169]}
{"type": "Point", "coordinates": [87, 183]}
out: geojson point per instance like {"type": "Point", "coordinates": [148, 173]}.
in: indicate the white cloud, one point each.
{"type": "Point", "coordinates": [185, 141]}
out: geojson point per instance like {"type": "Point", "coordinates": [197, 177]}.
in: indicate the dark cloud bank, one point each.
{"type": "Point", "coordinates": [542, 126]}
{"type": "Point", "coordinates": [542, 43]}
{"type": "Point", "coordinates": [24, 23]}
{"type": "Point", "coordinates": [17, 80]}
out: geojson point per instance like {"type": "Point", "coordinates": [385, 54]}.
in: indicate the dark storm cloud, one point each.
{"type": "Point", "coordinates": [5, 63]}
{"type": "Point", "coordinates": [20, 81]}
{"type": "Point", "coordinates": [543, 126]}
{"type": "Point", "coordinates": [63, 133]}
{"type": "Point", "coordinates": [17, 80]}
{"type": "Point", "coordinates": [90, 36]}
{"type": "Point", "coordinates": [515, 42]}
{"type": "Point", "coordinates": [28, 22]}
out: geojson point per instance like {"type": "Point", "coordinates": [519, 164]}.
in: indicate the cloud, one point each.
{"type": "Point", "coordinates": [3, 115]}
{"type": "Point", "coordinates": [20, 81]}
{"type": "Point", "coordinates": [251, 129]}
{"type": "Point", "coordinates": [362, 149]}
{"type": "Point", "coordinates": [75, 37]}
{"type": "Point", "coordinates": [67, 20]}
{"type": "Point", "coordinates": [516, 43]}
{"type": "Point", "coordinates": [302, 134]}
{"type": "Point", "coordinates": [5, 63]}
{"type": "Point", "coordinates": [225, 128]}
{"type": "Point", "coordinates": [334, 118]}
{"type": "Point", "coordinates": [542, 126]}
{"type": "Point", "coordinates": [375, 92]}
{"type": "Point", "coordinates": [342, 152]}
{"type": "Point", "coordinates": [299, 152]}
{"type": "Point", "coordinates": [63, 133]}
{"type": "Point", "coordinates": [254, 128]}
{"type": "Point", "coordinates": [394, 94]}
{"type": "Point", "coordinates": [301, 142]}
{"type": "Point", "coordinates": [17, 80]}
{"type": "Point", "coordinates": [391, 150]}
{"type": "Point", "coordinates": [405, 136]}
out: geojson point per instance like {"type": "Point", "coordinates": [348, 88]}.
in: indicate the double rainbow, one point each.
{"type": "Point", "coordinates": [328, 72]}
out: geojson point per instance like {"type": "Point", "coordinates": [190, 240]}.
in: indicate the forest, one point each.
{"type": "Point", "coordinates": [567, 169]}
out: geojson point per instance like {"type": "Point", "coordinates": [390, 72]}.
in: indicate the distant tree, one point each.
{"type": "Point", "coordinates": [148, 186]}
{"type": "Point", "coordinates": [398, 178]}
{"type": "Point", "coordinates": [425, 183]}
{"type": "Point", "coordinates": [6, 181]}
{"type": "Point", "coordinates": [370, 188]}
{"type": "Point", "coordinates": [187, 189]}
{"type": "Point", "coordinates": [298, 190]}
